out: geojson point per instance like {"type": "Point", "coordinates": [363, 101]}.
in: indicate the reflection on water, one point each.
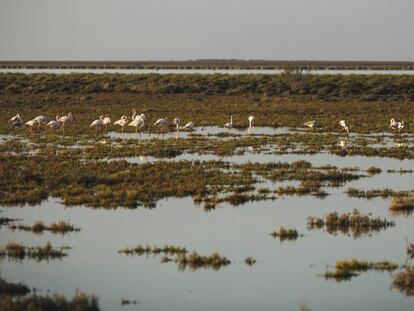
{"type": "Point", "coordinates": [204, 131]}
{"type": "Point", "coordinates": [283, 274]}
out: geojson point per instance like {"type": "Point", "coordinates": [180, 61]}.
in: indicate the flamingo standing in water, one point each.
{"type": "Point", "coordinates": [64, 120]}
{"type": "Point", "coordinates": [41, 119]}
{"type": "Point", "coordinates": [344, 126]}
{"type": "Point", "coordinates": [122, 122]}
{"type": "Point", "coordinates": [190, 126]}
{"type": "Point", "coordinates": [54, 124]}
{"type": "Point", "coordinates": [16, 121]}
{"type": "Point", "coordinates": [97, 123]}
{"type": "Point", "coordinates": [396, 125]}
{"type": "Point", "coordinates": [177, 123]}
{"type": "Point", "coordinates": [251, 120]}
{"type": "Point", "coordinates": [138, 122]}
{"type": "Point", "coordinates": [31, 123]}
{"type": "Point", "coordinates": [106, 121]}
{"type": "Point", "coordinates": [229, 125]}
{"type": "Point", "coordinates": [160, 123]}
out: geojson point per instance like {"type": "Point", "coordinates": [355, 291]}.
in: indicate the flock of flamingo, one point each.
{"type": "Point", "coordinates": [138, 121]}
{"type": "Point", "coordinates": [394, 125]}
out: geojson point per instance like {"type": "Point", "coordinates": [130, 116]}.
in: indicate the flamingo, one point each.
{"type": "Point", "coordinates": [64, 119]}
{"type": "Point", "coordinates": [396, 125]}
{"type": "Point", "coordinates": [251, 120]}
{"type": "Point", "coordinates": [177, 123]}
{"type": "Point", "coordinates": [14, 118]}
{"type": "Point", "coordinates": [16, 121]}
{"type": "Point", "coordinates": [31, 123]}
{"type": "Point", "coordinates": [229, 125]}
{"type": "Point", "coordinates": [106, 121]}
{"type": "Point", "coordinates": [344, 126]}
{"type": "Point", "coordinates": [311, 124]}
{"type": "Point", "coordinates": [54, 124]}
{"type": "Point", "coordinates": [190, 126]}
{"type": "Point", "coordinates": [138, 122]}
{"type": "Point", "coordinates": [41, 119]}
{"type": "Point", "coordinates": [122, 122]}
{"type": "Point", "coordinates": [160, 123]}
{"type": "Point", "coordinates": [96, 123]}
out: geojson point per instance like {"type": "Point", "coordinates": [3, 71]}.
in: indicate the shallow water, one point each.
{"type": "Point", "coordinates": [283, 274]}
{"type": "Point", "coordinates": [200, 71]}
{"type": "Point", "coordinates": [204, 131]}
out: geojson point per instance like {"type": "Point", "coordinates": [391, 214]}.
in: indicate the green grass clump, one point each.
{"type": "Point", "coordinates": [61, 227]}
{"type": "Point", "coordinates": [195, 261]}
{"type": "Point", "coordinates": [250, 261]}
{"type": "Point", "coordinates": [374, 193]}
{"type": "Point", "coordinates": [347, 269]}
{"type": "Point", "coordinates": [404, 281]}
{"type": "Point", "coordinates": [7, 220]}
{"type": "Point", "coordinates": [16, 250]}
{"type": "Point", "coordinates": [154, 250]}
{"type": "Point", "coordinates": [13, 289]}
{"type": "Point", "coordinates": [372, 170]}
{"type": "Point", "coordinates": [402, 204]}
{"type": "Point", "coordinates": [285, 234]}
{"type": "Point", "coordinates": [354, 224]}
{"type": "Point", "coordinates": [79, 302]}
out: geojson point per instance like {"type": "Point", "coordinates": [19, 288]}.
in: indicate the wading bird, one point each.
{"type": "Point", "coordinates": [138, 123]}
{"type": "Point", "coordinates": [160, 123]}
{"type": "Point", "coordinates": [251, 120]}
{"type": "Point", "coordinates": [177, 123]}
{"type": "Point", "coordinates": [311, 124]}
{"type": "Point", "coordinates": [54, 124]}
{"type": "Point", "coordinates": [41, 119]}
{"type": "Point", "coordinates": [190, 126]}
{"type": "Point", "coordinates": [14, 118]}
{"type": "Point", "coordinates": [122, 122]}
{"type": "Point", "coordinates": [31, 123]}
{"type": "Point", "coordinates": [97, 123]}
{"type": "Point", "coordinates": [344, 126]}
{"type": "Point", "coordinates": [396, 125]}
{"type": "Point", "coordinates": [64, 120]}
{"type": "Point", "coordinates": [16, 121]}
{"type": "Point", "coordinates": [106, 121]}
{"type": "Point", "coordinates": [229, 125]}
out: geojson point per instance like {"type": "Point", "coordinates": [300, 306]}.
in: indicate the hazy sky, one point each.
{"type": "Point", "coordinates": [191, 29]}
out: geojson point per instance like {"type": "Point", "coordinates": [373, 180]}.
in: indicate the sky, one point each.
{"type": "Point", "coordinates": [206, 29]}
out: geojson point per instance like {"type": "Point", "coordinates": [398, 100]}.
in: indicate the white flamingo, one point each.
{"type": "Point", "coordinates": [106, 121]}
{"type": "Point", "coordinates": [160, 123]}
{"type": "Point", "coordinates": [16, 121]}
{"type": "Point", "coordinates": [97, 123]}
{"type": "Point", "coordinates": [122, 122]}
{"type": "Point", "coordinates": [31, 123]}
{"type": "Point", "coordinates": [41, 119]}
{"type": "Point", "coordinates": [14, 118]}
{"type": "Point", "coordinates": [396, 125]}
{"type": "Point", "coordinates": [64, 120]}
{"type": "Point", "coordinates": [54, 124]}
{"type": "Point", "coordinates": [229, 125]}
{"type": "Point", "coordinates": [138, 123]}
{"type": "Point", "coordinates": [251, 120]}
{"type": "Point", "coordinates": [311, 124]}
{"type": "Point", "coordinates": [344, 126]}
{"type": "Point", "coordinates": [190, 126]}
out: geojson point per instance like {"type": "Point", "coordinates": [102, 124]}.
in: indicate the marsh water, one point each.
{"type": "Point", "coordinates": [286, 273]}
{"type": "Point", "coordinates": [200, 71]}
